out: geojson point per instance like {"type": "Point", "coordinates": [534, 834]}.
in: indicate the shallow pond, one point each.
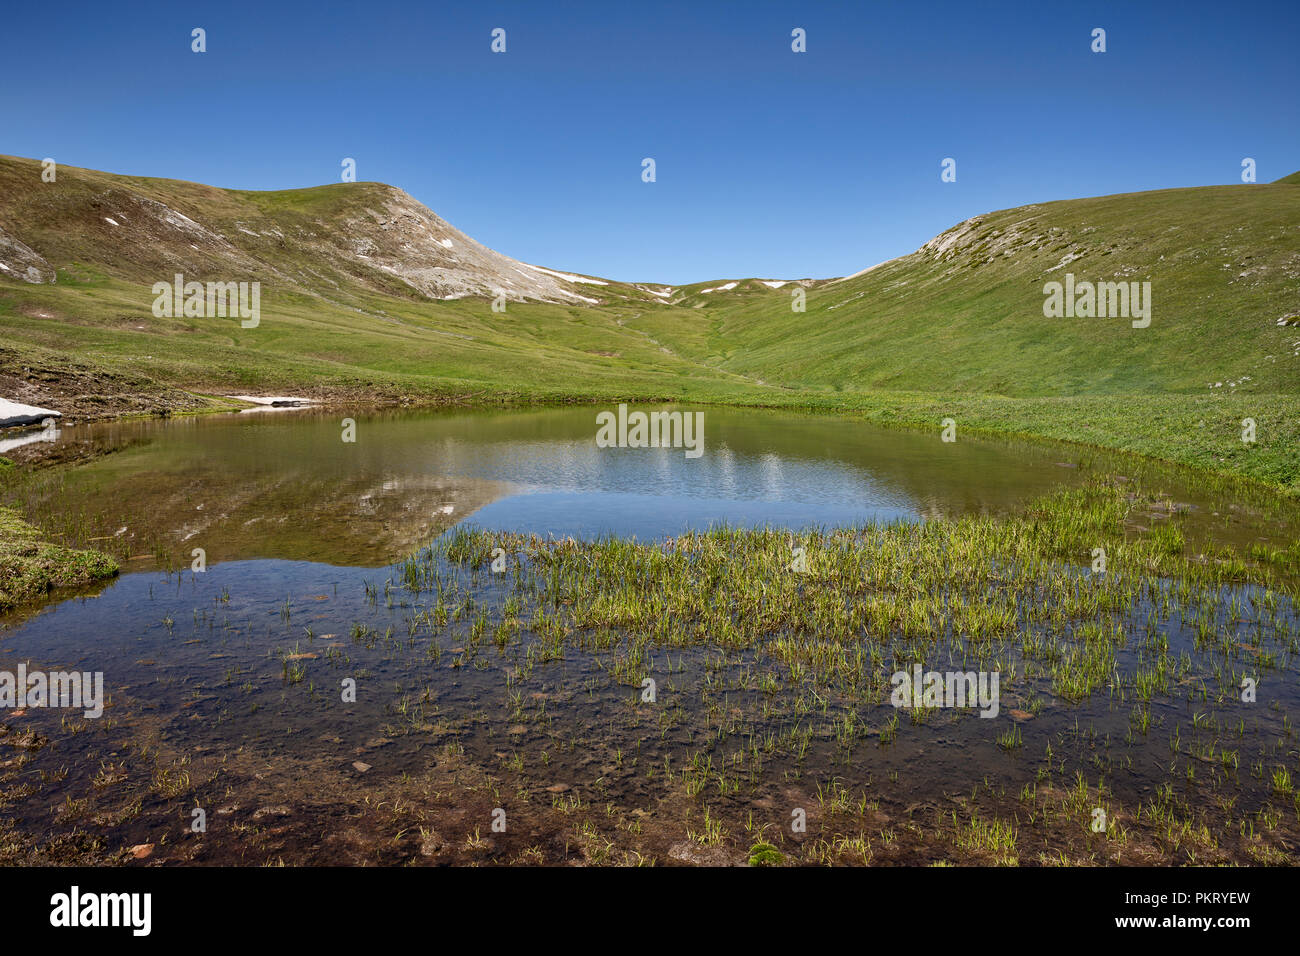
{"type": "Point", "coordinates": [225, 684]}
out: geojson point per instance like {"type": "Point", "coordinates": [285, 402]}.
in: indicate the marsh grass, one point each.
{"type": "Point", "coordinates": [1012, 595]}
{"type": "Point", "coordinates": [789, 669]}
{"type": "Point", "coordinates": [773, 686]}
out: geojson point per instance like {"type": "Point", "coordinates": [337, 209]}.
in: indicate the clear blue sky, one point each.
{"type": "Point", "coordinates": [769, 163]}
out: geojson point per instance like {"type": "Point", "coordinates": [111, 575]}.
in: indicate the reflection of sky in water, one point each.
{"type": "Point", "coordinates": [286, 486]}
{"type": "Point", "coordinates": [569, 487]}
{"type": "Point", "coordinates": [572, 465]}
{"type": "Point", "coordinates": [646, 516]}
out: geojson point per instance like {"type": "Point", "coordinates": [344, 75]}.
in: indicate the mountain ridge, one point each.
{"type": "Point", "coordinates": [403, 238]}
{"type": "Point", "coordinates": [355, 232]}
{"type": "Point", "coordinates": [367, 290]}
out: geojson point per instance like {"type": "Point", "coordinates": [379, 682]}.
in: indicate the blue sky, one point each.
{"type": "Point", "coordinates": [769, 163]}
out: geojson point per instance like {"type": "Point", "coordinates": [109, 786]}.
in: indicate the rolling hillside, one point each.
{"type": "Point", "coordinates": [965, 311]}
{"type": "Point", "coordinates": [364, 292]}
{"type": "Point", "coordinates": [367, 295]}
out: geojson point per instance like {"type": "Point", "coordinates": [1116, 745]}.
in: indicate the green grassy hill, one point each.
{"type": "Point", "coordinates": [965, 312]}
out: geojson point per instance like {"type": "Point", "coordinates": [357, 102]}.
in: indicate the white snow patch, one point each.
{"type": "Point", "coordinates": [582, 298]}
{"type": "Point", "coordinates": [16, 413]}
{"type": "Point", "coordinates": [111, 221]}
{"type": "Point", "coordinates": [283, 401]}
{"type": "Point", "coordinates": [863, 272]}
{"type": "Point", "coordinates": [7, 269]}
{"type": "Point", "coordinates": [567, 276]}
{"type": "Point", "coordinates": [774, 285]}
{"type": "Point", "coordinates": [446, 243]}
{"type": "Point", "coordinates": [720, 288]}
{"type": "Point", "coordinates": [179, 219]}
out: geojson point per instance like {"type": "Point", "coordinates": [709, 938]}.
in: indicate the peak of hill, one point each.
{"type": "Point", "coordinates": [343, 240]}
{"type": "Point", "coordinates": [1293, 179]}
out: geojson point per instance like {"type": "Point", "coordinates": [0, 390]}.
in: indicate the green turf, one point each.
{"type": "Point", "coordinates": [30, 566]}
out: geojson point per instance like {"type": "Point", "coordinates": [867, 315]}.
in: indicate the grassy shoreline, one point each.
{"type": "Point", "coordinates": [1197, 431]}
{"type": "Point", "coordinates": [31, 567]}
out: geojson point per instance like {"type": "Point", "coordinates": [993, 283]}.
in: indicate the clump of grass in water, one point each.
{"type": "Point", "coordinates": [31, 567]}
{"type": "Point", "coordinates": [765, 854]}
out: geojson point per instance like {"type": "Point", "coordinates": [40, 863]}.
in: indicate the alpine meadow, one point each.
{"type": "Point", "coordinates": [333, 534]}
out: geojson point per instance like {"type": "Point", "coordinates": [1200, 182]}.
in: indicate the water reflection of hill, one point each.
{"type": "Point", "coordinates": [288, 486]}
